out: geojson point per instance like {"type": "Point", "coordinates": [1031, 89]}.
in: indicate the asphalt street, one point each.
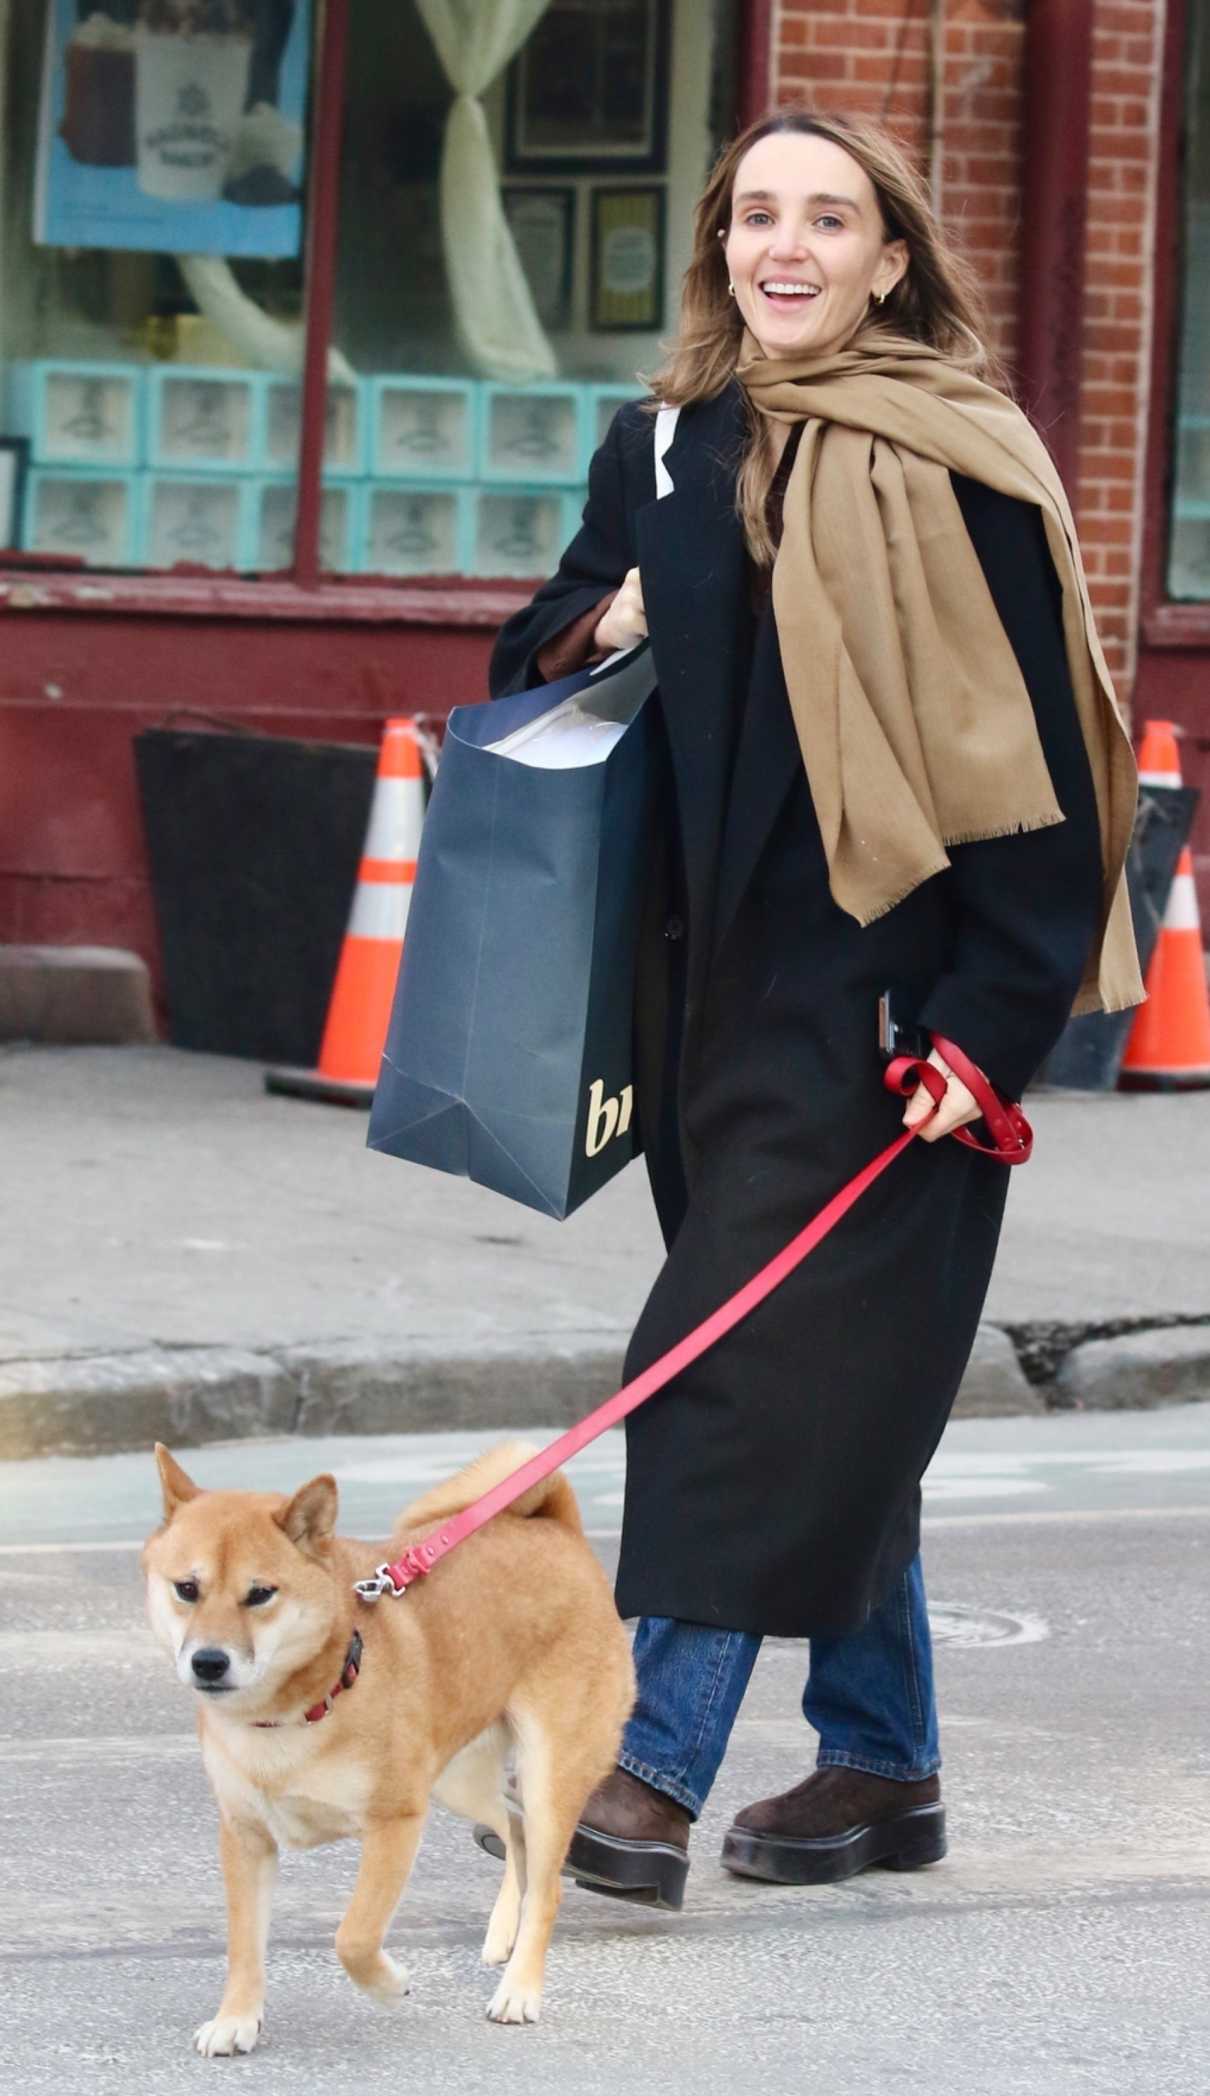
{"type": "Point", "coordinates": [1063, 1946]}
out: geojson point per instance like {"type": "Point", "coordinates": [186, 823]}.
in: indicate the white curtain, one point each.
{"type": "Point", "coordinates": [494, 311]}
{"type": "Point", "coordinates": [268, 344]}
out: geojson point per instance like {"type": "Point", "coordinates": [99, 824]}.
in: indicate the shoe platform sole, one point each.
{"type": "Point", "coordinates": [647, 1873]}
{"type": "Point", "coordinates": [909, 1841]}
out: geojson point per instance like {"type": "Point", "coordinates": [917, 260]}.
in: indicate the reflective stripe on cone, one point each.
{"type": "Point", "coordinates": [359, 1009]}
{"type": "Point", "coordinates": [1159, 757]}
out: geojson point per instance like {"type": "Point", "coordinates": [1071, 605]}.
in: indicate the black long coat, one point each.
{"type": "Point", "coordinates": [774, 1487]}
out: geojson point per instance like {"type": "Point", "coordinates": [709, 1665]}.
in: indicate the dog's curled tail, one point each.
{"type": "Point", "coordinates": [553, 1498]}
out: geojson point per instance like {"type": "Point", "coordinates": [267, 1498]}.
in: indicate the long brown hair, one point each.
{"type": "Point", "coordinates": [938, 300]}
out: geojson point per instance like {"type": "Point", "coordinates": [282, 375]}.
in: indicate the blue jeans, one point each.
{"type": "Point", "coordinates": [869, 1696]}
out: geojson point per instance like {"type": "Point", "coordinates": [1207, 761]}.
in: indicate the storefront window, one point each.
{"type": "Point", "coordinates": [1189, 552]}
{"type": "Point", "coordinates": [514, 192]}
{"type": "Point", "coordinates": [151, 326]}
{"type": "Point", "coordinates": [490, 366]}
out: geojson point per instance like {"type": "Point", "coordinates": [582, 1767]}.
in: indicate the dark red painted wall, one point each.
{"type": "Point", "coordinates": [75, 689]}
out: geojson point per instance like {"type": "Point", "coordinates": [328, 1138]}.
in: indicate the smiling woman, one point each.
{"type": "Point", "coordinates": [806, 259]}
{"type": "Point", "coordinates": [889, 760]}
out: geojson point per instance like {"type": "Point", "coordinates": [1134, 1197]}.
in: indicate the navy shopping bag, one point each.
{"type": "Point", "coordinates": [509, 1053]}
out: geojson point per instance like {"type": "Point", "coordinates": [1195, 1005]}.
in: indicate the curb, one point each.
{"type": "Point", "coordinates": [106, 1404]}
{"type": "Point", "coordinates": [1165, 1367]}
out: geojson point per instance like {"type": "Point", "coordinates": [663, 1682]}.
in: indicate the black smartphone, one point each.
{"type": "Point", "coordinates": [898, 1032]}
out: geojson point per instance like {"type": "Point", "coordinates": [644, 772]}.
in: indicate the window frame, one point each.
{"type": "Point", "coordinates": [44, 582]}
{"type": "Point", "coordinates": [1167, 622]}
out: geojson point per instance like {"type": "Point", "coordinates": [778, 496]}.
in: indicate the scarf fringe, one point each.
{"type": "Point", "coordinates": [1092, 1001]}
{"type": "Point", "coordinates": [1007, 829]}
{"type": "Point", "coordinates": [884, 908]}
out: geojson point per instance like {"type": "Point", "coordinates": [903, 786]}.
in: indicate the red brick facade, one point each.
{"type": "Point", "coordinates": [86, 661]}
{"type": "Point", "coordinates": [875, 56]}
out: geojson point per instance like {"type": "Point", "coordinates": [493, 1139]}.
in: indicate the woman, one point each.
{"type": "Point", "coordinates": [892, 759]}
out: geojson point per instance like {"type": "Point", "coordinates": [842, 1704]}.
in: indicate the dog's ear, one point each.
{"type": "Point", "coordinates": [176, 1487]}
{"type": "Point", "coordinates": [310, 1516]}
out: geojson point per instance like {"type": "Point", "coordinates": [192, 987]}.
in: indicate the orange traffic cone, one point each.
{"type": "Point", "coordinates": [1169, 1045]}
{"type": "Point", "coordinates": [1159, 758]}
{"type": "Point", "coordinates": [360, 1006]}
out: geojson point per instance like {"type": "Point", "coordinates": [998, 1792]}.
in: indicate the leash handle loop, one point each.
{"type": "Point", "coordinates": [1011, 1134]}
{"type": "Point", "coordinates": [1012, 1137]}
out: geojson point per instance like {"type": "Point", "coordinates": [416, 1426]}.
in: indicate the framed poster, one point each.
{"type": "Point", "coordinates": [173, 126]}
{"type": "Point", "coordinates": [14, 458]}
{"type": "Point", "coordinates": [588, 91]}
{"type": "Point", "coordinates": [626, 282]}
{"type": "Point", "coordinates": [543, 225]}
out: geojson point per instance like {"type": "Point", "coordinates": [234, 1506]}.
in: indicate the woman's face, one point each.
{"type": "Point", "coordinates": [804, 214]}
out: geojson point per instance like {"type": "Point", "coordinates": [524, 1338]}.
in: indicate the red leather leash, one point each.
{"type": "Point", "coordinates": [1012, 1141]}
{"type": "Point", "coordinates": [1012, 1138]}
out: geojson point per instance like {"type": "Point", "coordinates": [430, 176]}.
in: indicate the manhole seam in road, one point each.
{"type": "Point", "coordinates": [953, 1624]}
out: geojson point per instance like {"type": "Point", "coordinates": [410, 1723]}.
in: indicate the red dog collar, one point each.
{"type": "Point", "coordinates": [348, 1675]}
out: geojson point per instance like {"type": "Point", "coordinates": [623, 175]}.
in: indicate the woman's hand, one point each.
{"type": "Point", "coordinates": [626, 620]}
{"type": "Point", "coordinates": [957, 1108]}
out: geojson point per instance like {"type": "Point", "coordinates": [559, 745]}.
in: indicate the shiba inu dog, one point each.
{"type": "Point", "coordinates": [321, 1717]}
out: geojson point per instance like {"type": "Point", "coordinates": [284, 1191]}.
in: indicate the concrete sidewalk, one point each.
{"type": "Point", "coordinates": [187, 1257]}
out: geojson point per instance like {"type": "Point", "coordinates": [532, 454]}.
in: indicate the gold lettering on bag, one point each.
{"type": "Point", "coordinates": [606, 1117]}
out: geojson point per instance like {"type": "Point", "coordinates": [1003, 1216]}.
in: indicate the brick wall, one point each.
{"type": "Point", "coordinates": [874, 56]}
{"type": "Point", "coordinates": [1127, 53]}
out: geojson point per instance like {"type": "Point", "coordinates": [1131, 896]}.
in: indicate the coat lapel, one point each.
{"type": "Point", "coordinates": [695, 590]}
{"type": "Point", "coordinates": [767, 762]}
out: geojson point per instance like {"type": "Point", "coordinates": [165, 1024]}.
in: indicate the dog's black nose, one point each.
{"type": "Point", "coordinates": [209, 1664]}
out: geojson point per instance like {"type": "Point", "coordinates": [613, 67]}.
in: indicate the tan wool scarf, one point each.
{"type": "Point", "coordinates": [914, 720]}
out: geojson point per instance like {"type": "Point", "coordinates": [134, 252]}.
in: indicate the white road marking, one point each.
{"type": "Point", "coordinates": [1150, 1462]}
{"type": "Point", "coordinates": [430, 1469]}
{"type": "Point", "coordinates": [610, 1535]}
{"type": "Point", "coordinates": [155, 1746]}
{"type": "Point", "coordinates": [994, 1486]}
{"type": "Point", "coordinates": [61, 1549]}
{"type": "Point", "coordinates": [1057, 1514]}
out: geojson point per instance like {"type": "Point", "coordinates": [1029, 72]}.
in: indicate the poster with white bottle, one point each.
{"type": "Point", "coordinates": [173, 126]}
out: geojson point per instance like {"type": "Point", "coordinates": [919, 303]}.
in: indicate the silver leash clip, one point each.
{"type": "Point", "coordinates": [374, 1588]}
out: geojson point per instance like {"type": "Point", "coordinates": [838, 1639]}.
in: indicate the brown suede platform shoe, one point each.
{"type": "Point", "coordinates": [837, 1822]}
{"type": "Point", "coordinates": [631, 1842]}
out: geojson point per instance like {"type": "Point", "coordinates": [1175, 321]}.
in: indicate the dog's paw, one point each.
{"type": "Point", "coordinates": [514, 2004]}
{"type": "Point", "coordinates": [224, 2035]}
{"type": "Point", "coordinates": [499, 1940]}
{"type": "Point", "coordinates": [388, 1983]}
